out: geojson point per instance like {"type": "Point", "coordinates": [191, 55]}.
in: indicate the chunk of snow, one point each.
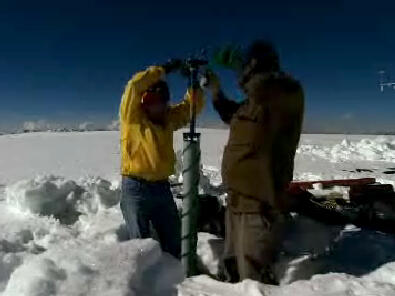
{"type": "Point", "coordinates": [85, 268]}
{"type": "Point", "coordinates": [209, 250]}
{"type": "Point", "coordinates": [45, 195]}
{"type": "Point", "coordinates": [99, 194]}
{"type": "Point", "coordinates": [62, 198]}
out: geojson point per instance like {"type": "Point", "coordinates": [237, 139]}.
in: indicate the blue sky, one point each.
{"type": "Point", "coordinates": [68, 61]}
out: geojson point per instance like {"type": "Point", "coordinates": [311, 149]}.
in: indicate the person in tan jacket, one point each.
{"type": "Point", "coordinates": [258, 159]}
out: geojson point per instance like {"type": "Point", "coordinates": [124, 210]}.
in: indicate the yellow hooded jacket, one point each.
{"type": "Point", "coordinates": [147, 148]}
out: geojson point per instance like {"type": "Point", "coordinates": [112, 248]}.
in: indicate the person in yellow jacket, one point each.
{"type": "Point", "coordinates": [147, 126]}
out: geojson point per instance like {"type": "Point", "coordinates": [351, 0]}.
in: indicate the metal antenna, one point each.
{"type": "Point", "coordinates": [385, 81]}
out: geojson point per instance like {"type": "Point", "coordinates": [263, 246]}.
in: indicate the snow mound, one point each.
{"type": "Point", "coordinates": [99, 194]}
{"type": "Point", "coordinates": [83, 268]}
{"type": "Point", "coordinates": [204, 285]}
{"type": "Point", "coordinates": [45, 195]}
{"type": "Point", "coordinates": [311, 247]}
{"type": "Point", "coordinates": [379, 149]}
{"type": "Point", "coordinates": [61, 198]}
{"type": "Point", "coordinates": [25, 236]}
{"type": "Point", "coordinates": [385, 274]}
{"type": "Point", "coordinates": [11, 256]}
{"type": "Point", "coordinates": [333, 284]}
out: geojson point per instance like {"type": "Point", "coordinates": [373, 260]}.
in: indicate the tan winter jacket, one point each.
{"type": "Point", "coordinates": [265, 130]}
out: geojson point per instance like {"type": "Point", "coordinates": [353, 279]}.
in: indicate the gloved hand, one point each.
{"type": "Point", "coordinates": [230, 56]}
{"type": "Point", "coordinates": [172, 65]}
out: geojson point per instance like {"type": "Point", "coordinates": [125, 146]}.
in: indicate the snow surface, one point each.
{"type": "Point", "coordinates": [62, 233]}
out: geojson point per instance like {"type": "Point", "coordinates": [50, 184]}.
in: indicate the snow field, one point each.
{"type": "Point", "coordinates": [45, 250]}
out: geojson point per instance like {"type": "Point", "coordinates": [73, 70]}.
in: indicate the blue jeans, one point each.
{"type": "Point", "coordinates": [143, 202]}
